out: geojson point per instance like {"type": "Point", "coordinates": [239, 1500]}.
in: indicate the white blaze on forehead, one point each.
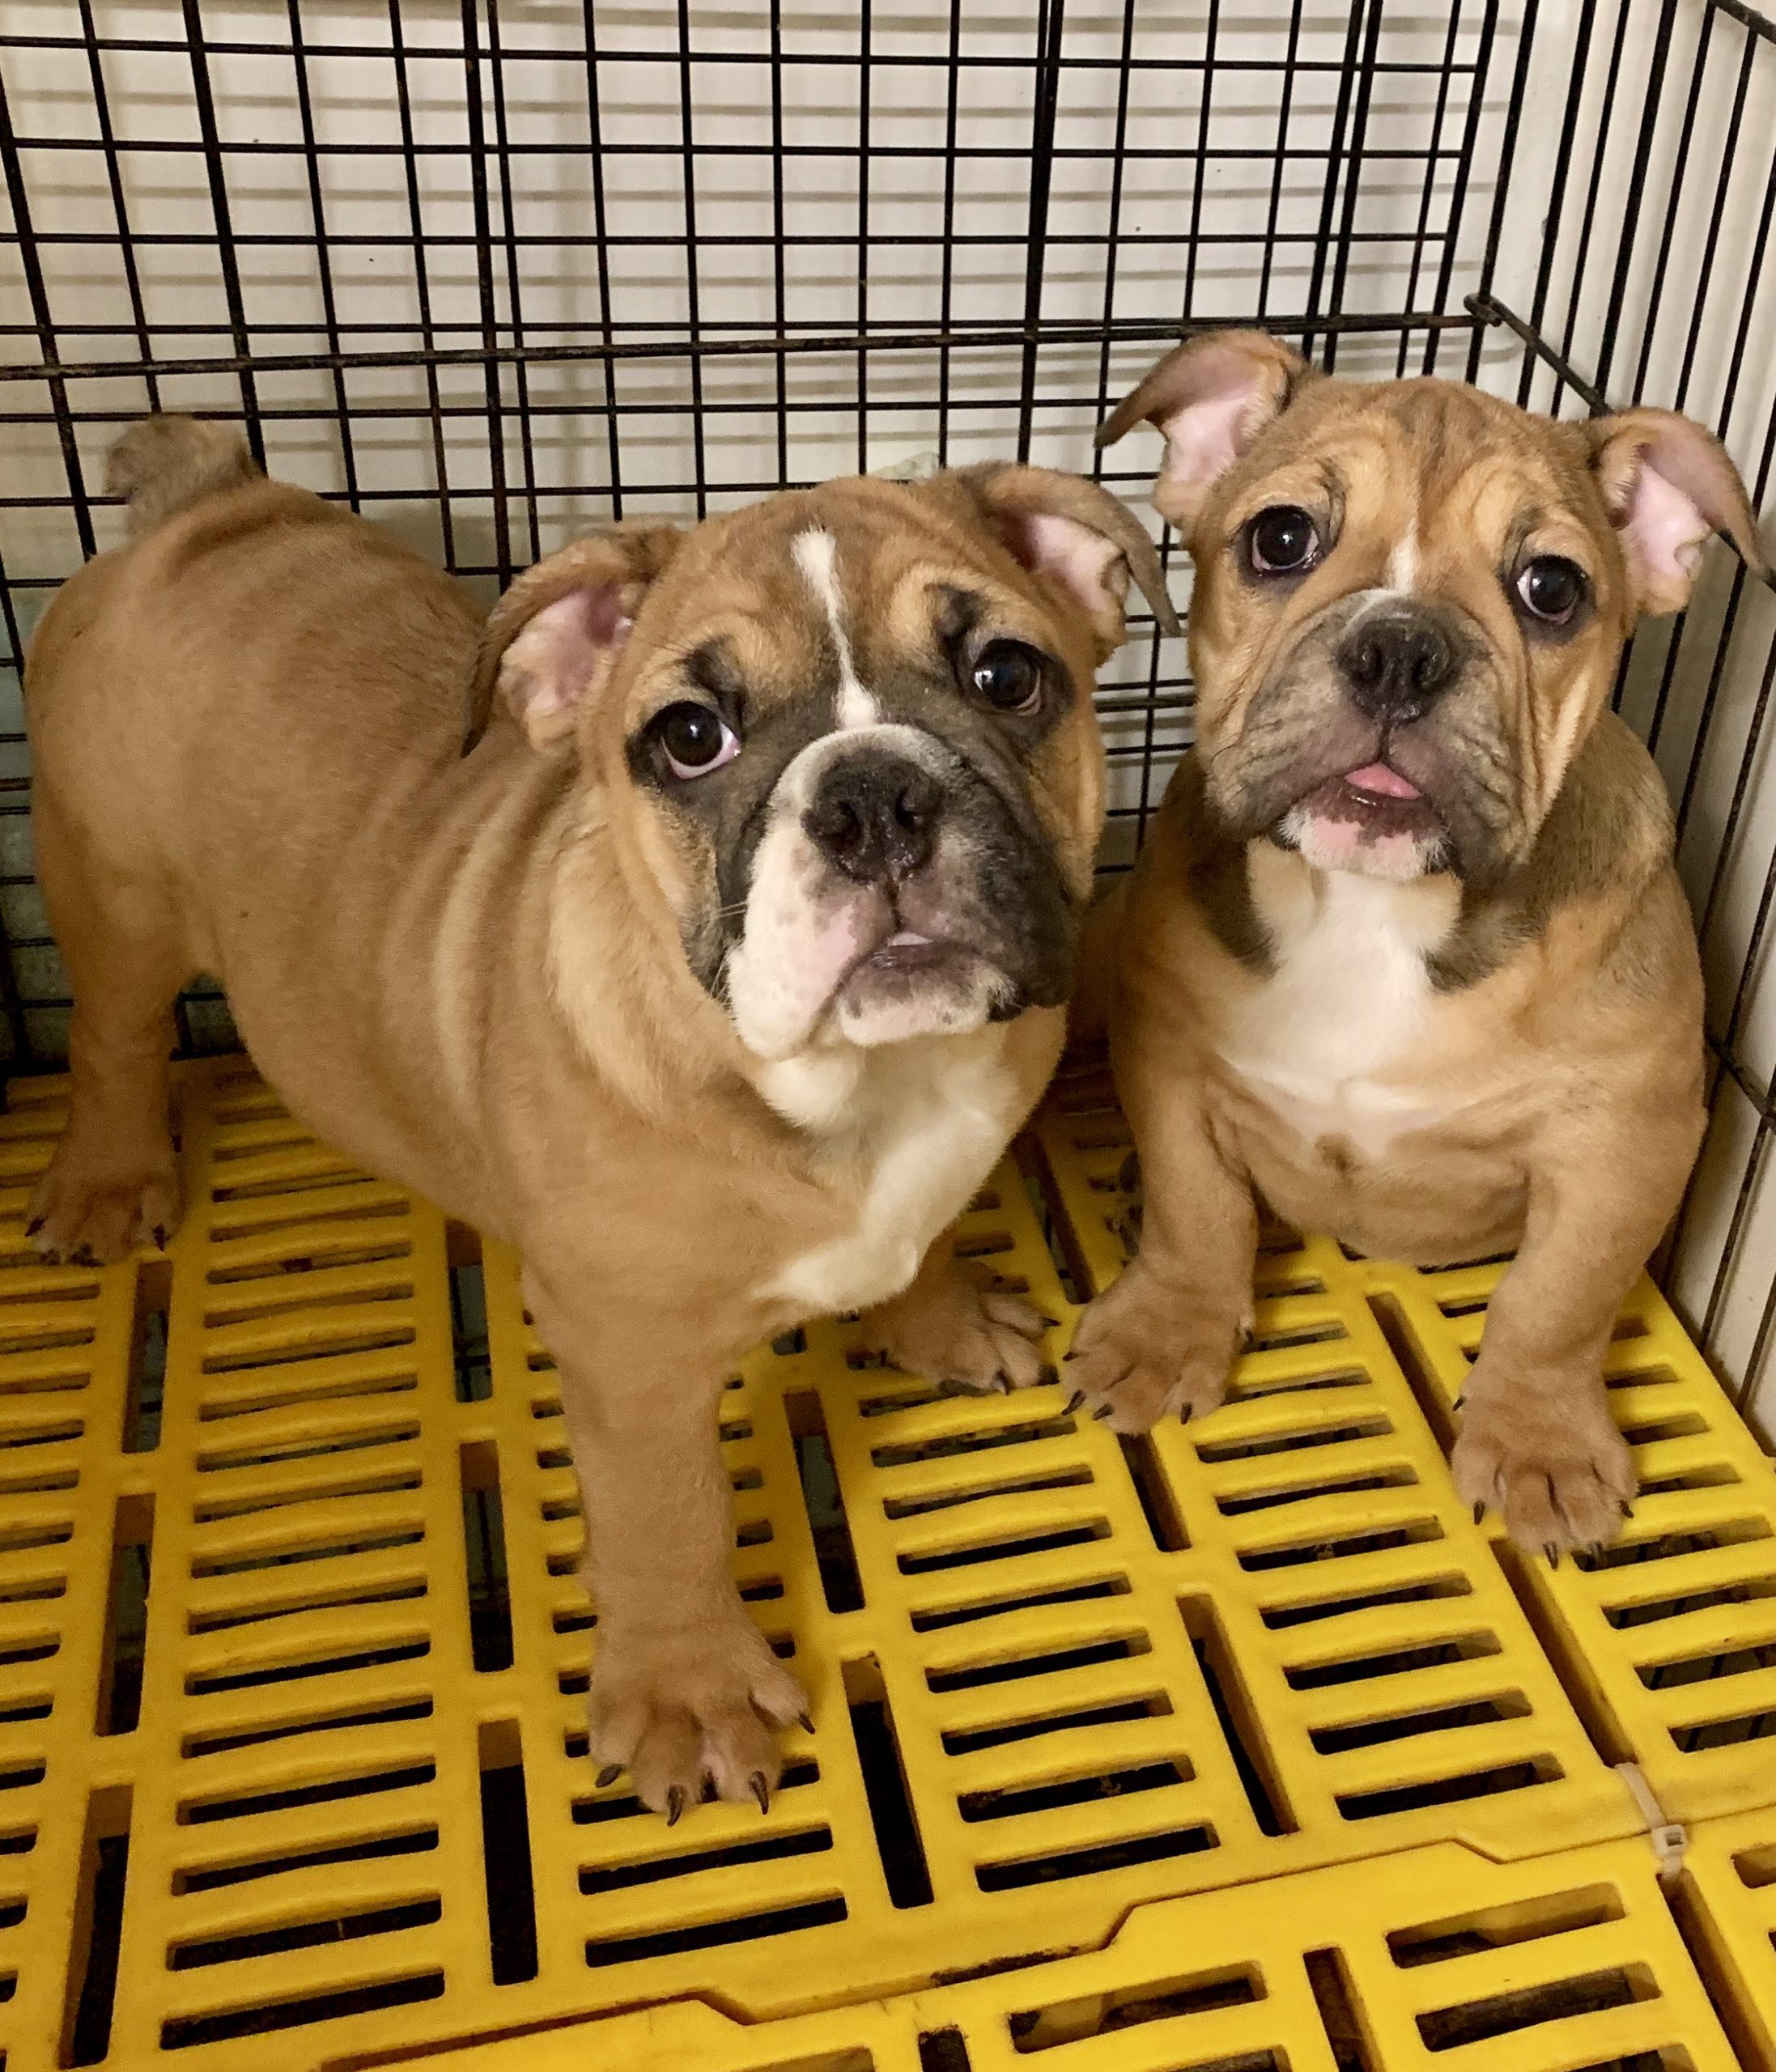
{"type": "Point", "coordinates": [1403, 562]}
{"type": "Point", "coordinates": [816, 553]}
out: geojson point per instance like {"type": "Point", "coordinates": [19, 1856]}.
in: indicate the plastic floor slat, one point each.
{"type": "Point", "coordinates": [1117, 1716]}
{"type": "Point", "coordinates": [1430, 1959]}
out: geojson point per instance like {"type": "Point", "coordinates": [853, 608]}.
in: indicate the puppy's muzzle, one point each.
{"type": "Point", "coordinates": [876, 817]}
{"type": "Point", "coordinates": [1397, 663]}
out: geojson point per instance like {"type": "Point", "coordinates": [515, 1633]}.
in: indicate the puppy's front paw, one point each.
{"type": "Point", "coordinates": [960, 1333]}
{"type": "Point", "coordinates": [701, 1704]}
{"type": "Point", "coordinates": [1144, 1350]}
{"type": "Point", "coordinates": [88, 1211]}
{"type": "Point", "coordinates": [1550, 1461]}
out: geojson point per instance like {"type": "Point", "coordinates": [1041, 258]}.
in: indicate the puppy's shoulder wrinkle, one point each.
{"type": "Point", "coordinates": [1608, 835]}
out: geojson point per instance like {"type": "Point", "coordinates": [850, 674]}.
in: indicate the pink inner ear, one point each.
{"type": "Point", "coordinates": [1663, 530]}
{"type": "Point", "coordinates": [1089, 565]}
{"type": "Point", "coordinates": [546, 668]}
{"type": "Point", "coordinates": [1204, 439]}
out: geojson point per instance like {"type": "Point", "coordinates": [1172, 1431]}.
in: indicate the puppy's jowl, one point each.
{"type": "Point", "coordinates": [1407, 954]}
{"type": "Point", "coordinates": [715, 978]}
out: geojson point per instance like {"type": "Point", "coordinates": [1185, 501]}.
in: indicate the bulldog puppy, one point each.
{"type": "Point", "coordinates": [714, 980]}
{"type": "Point", "coordinates": [1405, 952]}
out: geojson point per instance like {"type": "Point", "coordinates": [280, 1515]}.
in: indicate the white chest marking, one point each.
{"type": "Point", "coordinates": [816, 553]}
{"type": "Point", "coordinates": [936, 1137]}
{"type": "Point", "coordinates": [1330, 1043]}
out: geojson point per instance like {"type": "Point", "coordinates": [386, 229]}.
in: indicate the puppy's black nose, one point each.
{"type": "Point", "coordinates": [1397, 664]}
{"type": "Point", "coordinates": [875, 817]}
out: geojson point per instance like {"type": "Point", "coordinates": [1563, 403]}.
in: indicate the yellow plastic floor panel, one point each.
{"type": "Point", "coordinates": [1430, 1960]}
{"type": "Point", "coordinates": [327, 1800]}
{"type": "Point", "coordinates": [1668, 1638]}
{"type": "Point", "coordinates": [1729, 1890]}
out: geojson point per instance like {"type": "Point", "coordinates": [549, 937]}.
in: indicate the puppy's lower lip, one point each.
{"type": "Point", "coordinates": [909, 951]}
{"type": "Point", "coordinates": [1381, 782]}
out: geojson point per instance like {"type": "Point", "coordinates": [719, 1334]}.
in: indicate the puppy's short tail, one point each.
{"type": "Point", "coordinates": [168, 463]}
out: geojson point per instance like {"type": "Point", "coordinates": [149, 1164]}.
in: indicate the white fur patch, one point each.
{"type": "Point", "coordinates": [816, 553]}
{"type": "Point", "coordinates": [1403, 562]}
{"type": "Point", "coordinates": [1329, 1043]}
{"type": "Point", "coordinates": [931, 1117]}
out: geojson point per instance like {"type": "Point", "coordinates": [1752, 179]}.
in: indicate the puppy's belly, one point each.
{"type": "Point", "coordinates": [1390, 1180]}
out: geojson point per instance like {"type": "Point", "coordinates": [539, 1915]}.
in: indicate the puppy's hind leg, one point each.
{"type": "Point", "coordinates": [113, 1183]}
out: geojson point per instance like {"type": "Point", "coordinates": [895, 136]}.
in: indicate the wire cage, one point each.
{"type": "Point", "coordinates": [494, 270]}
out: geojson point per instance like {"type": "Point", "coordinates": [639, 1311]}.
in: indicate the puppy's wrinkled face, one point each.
{"type": "Point", "coordinates": [1410, 617]}
{"type": "Point", "coordinates": [847, 735]}
{"type": "Point", "coordinates": [1410, 597]}
{"type": "Point", "coordinates": [869, 764]}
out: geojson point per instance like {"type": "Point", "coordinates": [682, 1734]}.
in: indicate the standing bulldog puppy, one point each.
{"type": "Point", "coordinates": [715, 978]}
{"type": "Point", "coordinates": [1405, 952]}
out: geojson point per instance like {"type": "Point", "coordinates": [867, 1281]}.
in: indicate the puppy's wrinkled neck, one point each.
{"type": "Point", "coordinates": [618, 980]}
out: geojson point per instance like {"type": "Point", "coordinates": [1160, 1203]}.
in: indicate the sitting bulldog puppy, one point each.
{"type": "Point", "coordinates": [1405, 953]}
{"type": "Point", "coordinates": [715, 978]}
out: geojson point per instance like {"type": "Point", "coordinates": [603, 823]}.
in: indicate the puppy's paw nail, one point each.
{"type": "Point", "coordinates": [1052, 1322]}
{"type": "Point", "coordinates": [81, 1255]}
{"type": "Point", "coordinates": [1186, 1412]}
{"type": "Point", "coordinates": [609, 1775]}
{"type": "Point", "coordinates": [760, 1790]}
{"type": "Point", "coordinates": [1103, 1411]}
{"type": "Point", "coordinates": [1461, 1401]}
{"type": "Point", "coordinates": [1480, 1512]}
{"type": "Point", "coordinates": [1073, 1403]}
{"type": "Point", "coordinates": [805, 1722]}
{"type": "Point", "coordinates": [675, 1805]}
{"type": "Point", "coordinates": [160, 1238]}
{"type": "Point", "coordinates": [1046, 1377]}
{"type": "Point", "coordinates": [1074, 1354]}
{"type": "Point", "coordinates": [1628, 1510]}
{"type": "Point", "coordinates": [34, 1226]}
{"type": "Point", "coordinates": [1552, 1552]}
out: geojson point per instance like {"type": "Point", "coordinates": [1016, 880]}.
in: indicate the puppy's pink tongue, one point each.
{"type": "Point", "coordinates": [1377, 779]}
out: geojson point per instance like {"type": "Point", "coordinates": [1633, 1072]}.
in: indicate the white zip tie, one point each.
{"type": "Point", "coordinates": [1670, 1838]}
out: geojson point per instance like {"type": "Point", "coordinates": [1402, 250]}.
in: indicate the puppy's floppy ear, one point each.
{"type": "Point", "coordinates": [550, 642]}
{"type": "Point", "coordinates": [1667, 484]}
{"type": "Point", "coordinates": [1073, 532]}
{"type": "Point", "coordinates": [1211, 397]}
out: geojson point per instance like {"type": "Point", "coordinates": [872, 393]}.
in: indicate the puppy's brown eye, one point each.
{"type": "Point", "coordinates": [694, 740]}
{"type": "Point", "coordinates": [1551, 589]}
{"type": "Point", "coordinates": [1283, 540]}
{"type": "Point", "coordinates": [1008, 675]}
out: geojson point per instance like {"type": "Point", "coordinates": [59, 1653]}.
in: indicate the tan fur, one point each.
{"type": "Point", "coordinates": [1537, 1084]}
{"type": "Point", "coordinates": [468, 974]}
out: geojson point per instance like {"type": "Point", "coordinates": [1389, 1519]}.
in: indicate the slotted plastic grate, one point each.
{"type": "Point", "coordinates": [1669, 1637]}
{"type": "Point", "coordinates": [1729, 1901]}
{"type": "Point", "coordinates": [1054, 1675]}
{"type": "Point", "coordinates": [1428, 1960]}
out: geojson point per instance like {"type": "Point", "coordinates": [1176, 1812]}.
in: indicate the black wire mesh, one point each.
{"type": "Point", "coordinates": [491, 271]}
